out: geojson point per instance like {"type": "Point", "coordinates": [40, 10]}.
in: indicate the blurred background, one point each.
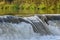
{"type": "Point", "coordinates": [29, 7]}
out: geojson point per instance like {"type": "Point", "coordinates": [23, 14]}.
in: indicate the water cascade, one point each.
{"type": "Point", "coordinates": [29, 28]}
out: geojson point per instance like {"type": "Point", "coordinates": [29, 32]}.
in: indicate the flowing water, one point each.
{"type": "Point", "coordinates": [28, 28]}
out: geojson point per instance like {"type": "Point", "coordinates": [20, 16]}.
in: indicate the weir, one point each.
{"type": "Point", "coordinates": [21, 28]}
{"type": "Point", "coordinates": [38, 25]}
{"type": "Point", "coordinates": [41, 24]}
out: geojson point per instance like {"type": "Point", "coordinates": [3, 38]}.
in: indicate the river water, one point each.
{"type": "Point", "coordinates": [25, 31]}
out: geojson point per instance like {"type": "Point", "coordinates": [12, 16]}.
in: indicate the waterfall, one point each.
{"type": "Point", "coordinates": [38, 25]}
{"type": "Point", "coordinates": [15, 28]}
{"type": "Point", "coordinates": [28, 28]}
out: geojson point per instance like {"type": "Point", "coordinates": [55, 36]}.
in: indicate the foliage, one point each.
{"type": "Point", "coordinates": [22, 7]}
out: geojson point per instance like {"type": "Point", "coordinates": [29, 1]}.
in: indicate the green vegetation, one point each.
{"type": "Point", "coordinates": [42, 8]}
{"type": "Point", "coordinates": [8, 8]}
{"type": "Point", "coordinates": [16, 7]}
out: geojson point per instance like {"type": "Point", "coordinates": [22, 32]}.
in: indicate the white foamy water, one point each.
{"type": "Point", "coordinates": [24, 31]}
{"type": "Point", "coordinates": [54, 28]}
{"type": "Point", "coordinates": [21, 31]}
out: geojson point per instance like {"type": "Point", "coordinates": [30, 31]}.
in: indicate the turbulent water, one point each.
{"type": "Point", "coordinates": [34, 29]}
